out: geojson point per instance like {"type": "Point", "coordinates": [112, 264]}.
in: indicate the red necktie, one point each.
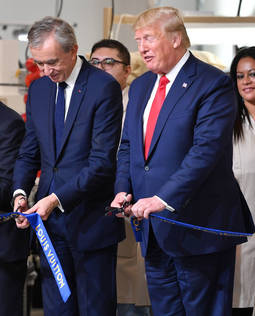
{"type": "Point", "coordinates": [154, 112]}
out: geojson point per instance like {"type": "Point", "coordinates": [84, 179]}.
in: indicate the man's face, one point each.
{"type": "Point", "coordinates": [119, 71]}
{"type": "Point", "coordinates": [53, 61]}
{"type": "Point", "coordinates": [156, 48]}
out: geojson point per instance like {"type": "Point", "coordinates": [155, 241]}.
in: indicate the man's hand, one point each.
{"type": "Point", "coordinates": [119, 201]}
{"type": "Point", "coordinates": [44, 207]}
{"type": "Point", "coordinates": [143, 207]}
{"type": "Point", "coordinates": [20, 205]}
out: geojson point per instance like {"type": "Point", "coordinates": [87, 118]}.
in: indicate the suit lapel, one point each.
{"type": "Point", "coordinates": [75, 102]}
{"type": "Point", "coordinates": [143, 100]}
{"type": "Point", "coordinates": [181, 84]}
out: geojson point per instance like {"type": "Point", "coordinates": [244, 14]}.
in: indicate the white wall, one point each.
{"type": "Point", "coordinates": [226, 52]}
{"type": "Point", "coordinates": [228, 7]}
{"type": "Point", "coordinates": [85, 15]}
{"type": "Point", "coordinates": [184, 5]}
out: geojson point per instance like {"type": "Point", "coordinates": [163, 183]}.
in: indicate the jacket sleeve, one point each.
{"type": "Point", "coordinates": [11, 135]}
{"type": "Point", "coordinates": [212, 137]}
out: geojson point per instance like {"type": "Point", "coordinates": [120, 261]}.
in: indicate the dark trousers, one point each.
{"type": "Point", "coordinates": [12, 279]}
{"type": "Point", "coordinates": [190, 286]}
{"type": "Point", "coordinates": [242, 311]}
{"type": "Point", "coordinates": [90, 276]}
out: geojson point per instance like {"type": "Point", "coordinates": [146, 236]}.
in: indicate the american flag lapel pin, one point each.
{"type": "Point", "coordinates": [79, 91]}
{"type": "Point", "coordinates": [184, 85]}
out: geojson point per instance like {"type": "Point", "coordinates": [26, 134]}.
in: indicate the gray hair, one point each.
{"type": "Point", "coordinates": [63, 32]}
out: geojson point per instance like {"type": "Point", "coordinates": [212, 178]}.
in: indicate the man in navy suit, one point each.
{"type": "Point", "coordinates": [77, 169]}
{"type": "Point", "coordinates": [185, 173]}
{"type": "Point", "coordinates": [14, 242]}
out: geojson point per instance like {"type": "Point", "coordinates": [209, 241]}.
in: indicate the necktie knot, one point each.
{"type": "Point", "coordinates": [62, 85]}
{"type": "Point", "coordinates": [163, 82]}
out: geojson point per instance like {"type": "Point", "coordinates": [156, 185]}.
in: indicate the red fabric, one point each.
{"type": "Point", "coordinates": [154, 112]}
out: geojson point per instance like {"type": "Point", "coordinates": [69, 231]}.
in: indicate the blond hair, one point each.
{"type": "Point", "coordinates": [170, 19]}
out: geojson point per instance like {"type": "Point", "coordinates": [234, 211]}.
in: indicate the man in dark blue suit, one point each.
{"type": "Point", "coordinates": [77, 162]}
{"type": "Point", "coordinates": [14, 242]}
{"type": "Point", "coordinates": [175, 160]}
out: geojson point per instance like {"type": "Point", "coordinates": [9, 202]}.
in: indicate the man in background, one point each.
{"type": "Point", "coordinates": [14, 242]}
{"type": "Point", "coordinates": [132, 294]}
{"type": "Point", "coordinates": [175, 160]}
{"type": "Point", "coordinates": [113, 57]}
{"type": "Point", "coordinates": [73, 123]}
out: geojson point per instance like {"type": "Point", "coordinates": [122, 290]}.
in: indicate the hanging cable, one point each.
{"type": "Point", "coordinates": [239, 7]}
{"type": "Point", "coordinates": [236, 48]}
{"type": "Point", "coordinates": [112, 18]}
{"type": "Point", "coordinates": [60, 8]}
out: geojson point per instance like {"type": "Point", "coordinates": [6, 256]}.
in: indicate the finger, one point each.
{"type": "Point", "coordinates": [146, 214]}
{"type": "Point", "coordinates": [134, 212]}
{"type": "Point", "coordinates": [18, 221]}
{"type": "Point", "coordinates": [115, 203]}
{"type": "Point", "coordinates": [129, 197]}
{"type": "Point", "coordinates": [22, 222]}
{"type": "Point", "coordinates": [44, 217]}
{"type": "Point", "coordinates": [127, 211]}
{"type": "Point", "coordinates": [137, 212]}
{"type": "Point", "coordinates": [120, 215]}
{"type": "Point", "coordinates": [118, 200]}
{"type": "Point", "coordinates": [31, 210]}
{"type": "Point", "coordinates": [20, 205]}
{"type": "Point", "coordinates": [22, 225]}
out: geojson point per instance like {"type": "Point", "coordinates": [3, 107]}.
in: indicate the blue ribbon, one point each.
{"type": "Point", "coordinates": [204, 229]}
{"type": "Point", "coordinates": [136, 225]}
{"type": "Point", "coordinates": [47, 247]}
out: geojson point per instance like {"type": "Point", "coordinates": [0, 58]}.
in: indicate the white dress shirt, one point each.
{"type": "Point", "coordinates": [171, 75]}
{"type": "Point", "coordinates": [70, 81]}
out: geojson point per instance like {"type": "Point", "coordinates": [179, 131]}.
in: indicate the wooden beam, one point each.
{"type": "Point", "coordinates": [107, 22]}
{"type": "Point", "coordinates": [130, 19]}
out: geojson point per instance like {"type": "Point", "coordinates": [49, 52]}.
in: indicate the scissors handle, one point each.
{"type": "Point", "coordinates": [110, 211]}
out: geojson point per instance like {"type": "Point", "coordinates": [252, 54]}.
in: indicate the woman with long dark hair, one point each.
{"type": "Point", "coordinates": [243, 74]}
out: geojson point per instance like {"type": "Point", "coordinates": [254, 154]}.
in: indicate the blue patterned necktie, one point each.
{"type": "Point", "coordinates": [60, 115]}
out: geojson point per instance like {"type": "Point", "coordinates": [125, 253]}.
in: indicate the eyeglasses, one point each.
{"type": "Point", "coordinates": [106, 64]}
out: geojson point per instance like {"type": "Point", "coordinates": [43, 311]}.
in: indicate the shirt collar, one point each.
{"type": "Point", "coordinates": [70, 81]}
{"type": "Point", "coordinates": [172, 74]}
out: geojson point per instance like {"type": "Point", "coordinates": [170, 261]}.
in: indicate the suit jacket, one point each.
{"type": "Point", "coordinates": [14, 242]}
{"type": "Point", "coordinates": [130, 272]}
{"type": "Point", "coordinates": [84, 170]}
{"type": "Point", "coordinates": [189, 164]}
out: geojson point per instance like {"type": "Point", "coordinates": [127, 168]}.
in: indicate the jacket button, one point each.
{"type": "Point", "coordinates": [146, 168]}
{"type": "Point", "coordinates": [55, 169]}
